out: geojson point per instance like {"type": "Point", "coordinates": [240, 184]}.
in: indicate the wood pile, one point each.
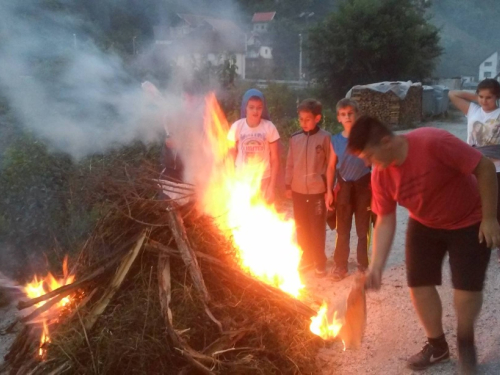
{"type": "Point", "coordinates": [158, 291]}
{"type": "Point", "coordinates": [389, 108]}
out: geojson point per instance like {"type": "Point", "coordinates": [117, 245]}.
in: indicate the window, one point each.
{"type": "Point", "coordinates": [488, 63]}
{"type": "Point", "coordinates": [487, 74]}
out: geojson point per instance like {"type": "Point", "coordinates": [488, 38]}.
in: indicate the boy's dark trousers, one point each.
{"type": "Point", "coordinates": [353, 197]}
{"type": "Point", "coordinates": [310, 220]}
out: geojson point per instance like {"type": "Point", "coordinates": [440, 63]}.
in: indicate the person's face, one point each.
{"type": "Point", "coordinates": [379, 155]}
{"type": "Point", "coordinates": [254, 111]}
{"type": "Point", "coordinates": [487, 100]}
{"type": "Point", "coordinates": [347, 116]}
{"type": "Point", "coordinates": [308, 120]}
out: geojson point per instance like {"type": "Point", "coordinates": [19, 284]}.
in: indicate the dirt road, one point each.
{"type": "Point", "coordinates": [393, 332]}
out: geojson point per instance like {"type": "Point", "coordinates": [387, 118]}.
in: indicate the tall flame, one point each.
{"type": "Point", "coordinates": [39, 287]}
{"type": "Point", "coordinates": [264, 238]}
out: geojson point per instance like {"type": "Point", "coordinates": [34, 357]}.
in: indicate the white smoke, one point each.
{"type": "Point", "coordinates": [70, 93]}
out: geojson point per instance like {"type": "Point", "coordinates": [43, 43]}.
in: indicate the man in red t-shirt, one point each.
{"type": "Point", "coordinates": [450, 190]}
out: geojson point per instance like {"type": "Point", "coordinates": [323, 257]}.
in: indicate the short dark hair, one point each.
{"type": "Point", "coordinates": [367, 131]}
{"type": "Point", "coordinates": [346, 102]}
{"type": "Point", "coordinates": [310, 105]}
{"type": "Point", "coordinates": [489, 84]}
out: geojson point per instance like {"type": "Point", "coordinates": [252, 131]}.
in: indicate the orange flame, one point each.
{"type": "Point", "coordinates": [264, 238]}
{"type": "Point", "coordinates": [326, 324]}
{"type": "Point", "coordinates": [39, 287]}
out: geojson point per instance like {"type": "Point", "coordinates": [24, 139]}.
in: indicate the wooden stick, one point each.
{"type": "Point", "coordinates": [243, 279]}
{"type": "Point", "coordinates": [186, 251]}
{"type": "Point", "coordinates": [116, 282]}
{"type": "Point", "coordinates": [46, 306]}
{"type": "Point", "coordinates": [69, 287]}
{"type": "Point", "coordinates": [165, 289]}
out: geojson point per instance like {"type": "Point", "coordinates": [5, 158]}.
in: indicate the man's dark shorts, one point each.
{"type": "Point", "coordinates": [426, 248]}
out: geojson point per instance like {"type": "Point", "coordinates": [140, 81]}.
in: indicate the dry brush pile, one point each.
{"type": "Point", "coordinates": [158, 290]}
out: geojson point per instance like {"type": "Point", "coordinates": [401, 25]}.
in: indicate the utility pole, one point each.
{"type": "Point", "coordinates": [300, 57]}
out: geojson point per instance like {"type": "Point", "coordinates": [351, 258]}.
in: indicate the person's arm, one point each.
{"type": "Point", "coordinates": [489, 229]}
{"type": "Point", "coordinates": [330, 176]}
{"type": "Point", "coordinates": [275, 165]}
{"type": "Point", "coordinates": [383, 235]}
{"type": "Point", "coordinates": [462, 99]}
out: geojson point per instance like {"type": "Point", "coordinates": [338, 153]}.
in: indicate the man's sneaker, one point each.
{"type": "Point", "coordinates": [338, 274]}
{"type": "Point", "coordinates": [467, 358]}
{"type": "Point", "coordinates": [428, 356]}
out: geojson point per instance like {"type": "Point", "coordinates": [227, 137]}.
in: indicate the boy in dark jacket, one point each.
{"type": "Point", "coordinates": [309, 167]}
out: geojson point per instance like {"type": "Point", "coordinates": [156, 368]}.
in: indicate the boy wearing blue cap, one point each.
{"type": "Point", "coordinates": [256, 141]}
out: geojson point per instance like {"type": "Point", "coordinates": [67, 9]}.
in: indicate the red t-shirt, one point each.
{"type": "Point", "coordinates": [435, 182]}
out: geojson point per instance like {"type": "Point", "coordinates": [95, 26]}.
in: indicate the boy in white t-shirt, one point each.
{"type": "Point", "coordinates": [256, 142]}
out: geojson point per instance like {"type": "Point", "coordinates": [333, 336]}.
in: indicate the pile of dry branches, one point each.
{"type": "Point", "coordinates": [158, 290]}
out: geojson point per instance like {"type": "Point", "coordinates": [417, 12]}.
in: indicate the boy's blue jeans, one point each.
{"type": "Point", "coordinates": [309, 211]}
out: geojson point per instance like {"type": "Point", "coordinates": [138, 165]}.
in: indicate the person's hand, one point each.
{"type": "Point", "coordinates": [329, 200]}
{"type": "Point", "coordinates": [288, 194]}
{"type": "Point", "coordinates": [373, 278]}
{"type": "Point", "coordinates": [489, 231]}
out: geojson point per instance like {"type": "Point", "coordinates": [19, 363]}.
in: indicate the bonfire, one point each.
{"type": "Point", "coordinates": [179, 284]}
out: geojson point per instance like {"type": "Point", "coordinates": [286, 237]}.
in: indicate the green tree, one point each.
{"type": "Point", "coordinates": [368, 41]}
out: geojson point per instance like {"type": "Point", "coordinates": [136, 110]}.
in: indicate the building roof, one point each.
{"type": "Point", "coordinates": [263, 17]}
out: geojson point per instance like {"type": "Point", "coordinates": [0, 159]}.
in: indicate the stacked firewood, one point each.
{"type": "Point", "coordinates": [389, 108]}
{"type": "Point", "coordinates": [158, 290]}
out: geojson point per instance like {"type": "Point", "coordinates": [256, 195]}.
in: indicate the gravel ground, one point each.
{"type": "Point", "coordinates": [393, 332]}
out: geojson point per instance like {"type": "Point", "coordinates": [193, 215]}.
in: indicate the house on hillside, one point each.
{"type": "Point", "coordinates": [260, 21]}
{"type": "Point", "coordinates": [490, 67]}
{"type": "Point", "coordinates": [199, 39]}
{"type": "Point", "coordinates": [259, 45]}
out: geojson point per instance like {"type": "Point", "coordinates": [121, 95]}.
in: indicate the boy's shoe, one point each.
{"type": "Point", "coordinates": [467, 358]}
{"type": "Point", "coordinates": [338, 274]}
{"type": "Point", "coordinates": [362, 269]}
{"type": "Point", "coordinates": [428, 356]}
{"type": "Point", "coordinates": [320, 272]}
{"type": "Point", "coordinates": [304, 266]}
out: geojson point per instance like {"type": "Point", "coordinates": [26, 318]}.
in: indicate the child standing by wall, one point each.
{"type": "Point", "coordinates": [353, 194]}
{"type": "Point", "coordinates": [309, 168]}
{"type": "Point", "coordinates": [255, 139]}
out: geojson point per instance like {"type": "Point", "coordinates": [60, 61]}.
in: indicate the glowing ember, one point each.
{"type": "Point", "coordinates": [44, 339]}
{"type": "Point", "coordinates": [39, 287]}
{"type": "Point", "coordinates": [264, 238]}
{"type": "Point", "coordinates": [326, 324]}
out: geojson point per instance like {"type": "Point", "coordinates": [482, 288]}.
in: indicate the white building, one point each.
{"type": "Point", "coordinates": [490, 68]}
{"type": "Point", "coordinates": [203, 38]}
{"type": "Point", "coordinates": [261, 21]}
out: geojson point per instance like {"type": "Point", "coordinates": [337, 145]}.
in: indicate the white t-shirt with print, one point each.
{"type": "Point", "coordinates": [483, 128]}
{"type": "Point", "coordinates": [253, 144]}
